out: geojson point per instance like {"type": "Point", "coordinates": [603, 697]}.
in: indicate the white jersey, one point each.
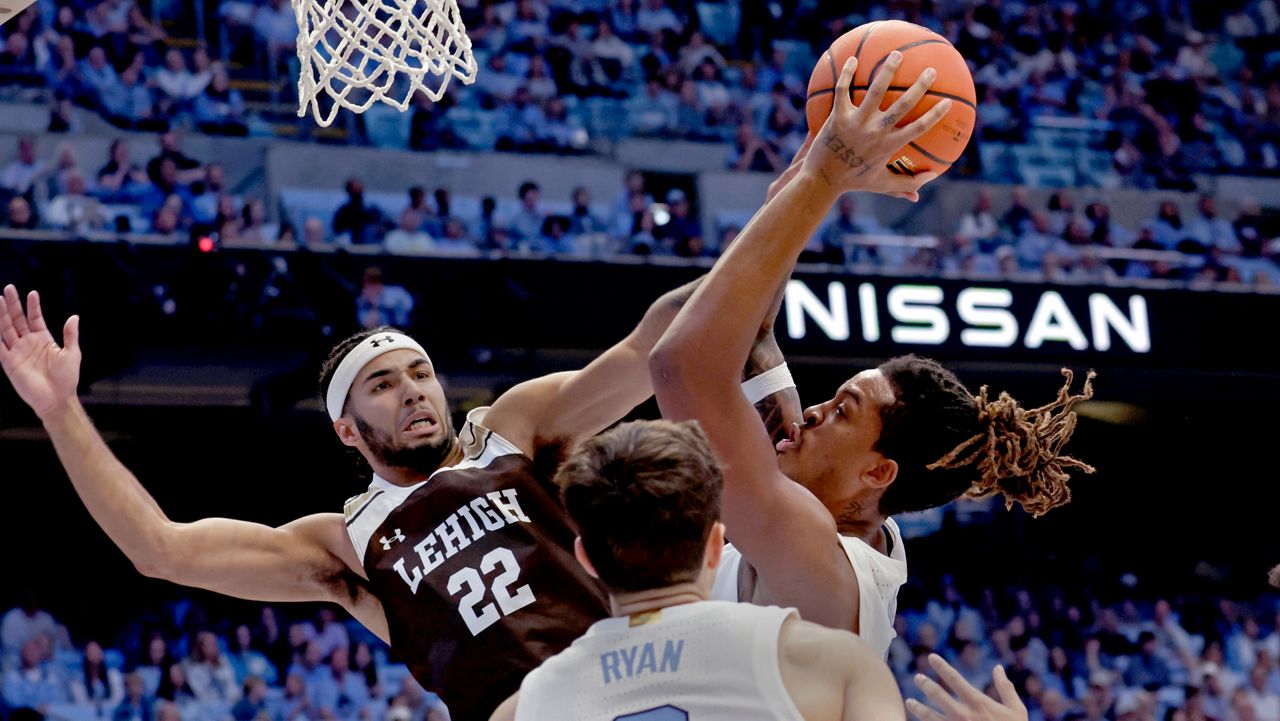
{"type": "Point", "coordinates": [709, 661]}
{"type": "Point", "coordinates": [879, 578]}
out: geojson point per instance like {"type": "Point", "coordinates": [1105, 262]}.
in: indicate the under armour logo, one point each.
{"type": "Point", "coordinates": [386, 542]}
{"type": "Point", "coordinates": [385, 339]}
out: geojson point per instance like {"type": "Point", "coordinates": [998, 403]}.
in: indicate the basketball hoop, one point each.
{"type": "Point", "coordinates": [359, 52]}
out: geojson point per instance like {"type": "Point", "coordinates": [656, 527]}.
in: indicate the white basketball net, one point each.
{"type": "Point", "coordinates": [358, 52]}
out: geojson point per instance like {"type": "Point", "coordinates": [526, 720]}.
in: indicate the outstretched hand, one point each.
{"type": "Point", "coordinates": [964, 702]}
{"type": "Point", "coordinates": [43, 373]}
{"type": "Point", "coordinates": [855, 144]}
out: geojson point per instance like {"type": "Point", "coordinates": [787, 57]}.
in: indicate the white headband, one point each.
{"type": "Point", "coordinates": [356, 359]}
{"type": "Point", "coordinates": [766, 384]}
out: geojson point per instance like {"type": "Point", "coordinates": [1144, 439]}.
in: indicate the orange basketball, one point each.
{"type": "Point", "coordinates": [921, 48]}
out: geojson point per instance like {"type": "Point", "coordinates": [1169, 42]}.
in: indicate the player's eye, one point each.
{"type": "Point", "coordinates": [840, 409]}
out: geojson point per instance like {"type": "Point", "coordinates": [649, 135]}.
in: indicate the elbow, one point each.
{"type": "Point", "coordinates": [665, 364]}
{"type": "Point", "coordinates": [152, 567]}
{"type": "Point", "coordinates": [156, 561]}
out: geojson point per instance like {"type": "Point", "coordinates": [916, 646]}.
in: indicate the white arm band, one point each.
{"type": "Point", "coordinates": [766, 384]}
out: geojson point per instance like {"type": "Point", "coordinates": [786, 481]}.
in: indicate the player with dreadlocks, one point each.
{"type": "Point", "coordinates": [809, 516]}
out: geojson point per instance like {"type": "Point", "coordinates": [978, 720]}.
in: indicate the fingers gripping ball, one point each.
{"type": "Point", "coordinates": [921, 48]}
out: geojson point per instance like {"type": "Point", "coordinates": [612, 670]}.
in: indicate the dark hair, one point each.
{"type": "Point", "coordinates": [947, 442]}
{"type": "Point", "coordinates": [330, 365]}
{"type": "Point", "coordinates": [644, 496]}
{"type": "Point", "coordinates": [526, 187]}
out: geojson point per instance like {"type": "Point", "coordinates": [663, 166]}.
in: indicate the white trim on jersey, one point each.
{"type": "Point", "coordinates": [879, 578]}
{"type": "Point", "coordinates": [481, 447]}
{"type": "Point", "coordinates": [715, 661]}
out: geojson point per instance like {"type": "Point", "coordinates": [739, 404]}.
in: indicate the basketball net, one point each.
{"type": "Point", "coordinates": [359, 52]}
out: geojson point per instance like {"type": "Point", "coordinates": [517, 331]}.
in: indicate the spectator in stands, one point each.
{"type": "Point", "coordinates": [277, 25]}
{"type": "Point", "coordinates": [20, 176]}
{"type": "Point", "coordinates": [188, 169]}
{"type": "Point", "coordinates": [526, 224]}
{"type": "Point", "coordinates": [252, 705]}
{"type": "Point", "coordinates": [96, 685]}
{"type": "Point", "coordinates": [582, 219]}
{"type": "Point", "coordinates": [378, 304]}
{"type": "Point", "coordinates": [642, 239]}
{"type": "Point", "coordinates": [541, 87]}
{"type": "Point", "coordinates": [20, 216]}
{"type": "Point", "coordinates": [654, 16]}
{"type": "Point", "coordinates": [456, 241]}
{"type": "Point", "coordinates": [412, 702]}
{"type": "Point", "coordinates": [1146, 669]}
{"type": "Point", "coordinates": [219, 109]}
{"type": "Point", "coordinates": [137, 704]}
{"type": "Point", "coordinates": [1017, 218]}
{"type": "Point", "coordinates": [622, 18]}
{"type": "Point", "coordinates": [130, 104]}
{"type": "Point", "coordinates": [364, 665]}
{"type": "Point", "coordinates": [522, 125]}
{"type": "Point", "coordinates": [314, 237]}
{"type": "Point", "coordinates": [690, 114]}
{"type": "Point", "coordinates": [339, 692]}
{"type": "Point", "coordinates": [330, 634]}
{"type": "Point", "coordinates": [1210, 230]}
{"type": "Point", "coordinates": [563, 132]}
{"type": "Point", "coordinates": [295, 704]}
{"type": "Point", "coordinates": [74, 210]}
{"type": "Point", "coordinates": [1168, 227]}
{"type": "Point", "coordinates": [209, 672]}
{"type": "Point", "coordinates": [99, 76]}
{"type": "Point", "coordinates": [979, 224]}
{"type": "Point", "coordinates": [155, 663]}
{"type": "Point", "coordinates": [614, 55]}
{"type": "Point", "coordinates": [1036, 243]}
{"type": "Point", "coordinates": [409, 238]}
{"type": "Point", "coordinates": [427, 219]}
{"type": "Point", "coordinates": [751, 152]}
{"type": "Point", "coordinates": [253, 222]}
{"type": "Point", "coordinates": [247, 661]}
{"type": "Point", "coordinates": [360, 222]}
{"type": "Point", "coordinates": [681, 230]}
{"type": "Point", "coordinates": [1265, 700]}
{"type": "Point", "coordinates": [267, 633]}
{"type": "Point", "coordinates": [653, 111]}
{"type": "Point", "coordinates": [26, 620]}
{"type": "Point", "coordinates": [35, 683]}
{"type": "Point", "coordinates": [178, 86]}
{"type": "Point", "coordinates": [846, 223]}
{"type": "Point", "coordinates": [121, 180]}
{"type": "Point", "coordinates": [497, 85]}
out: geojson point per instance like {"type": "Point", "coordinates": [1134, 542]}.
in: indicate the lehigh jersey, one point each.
{"type": "Point", "coordinates": [475, 570]}
{"type": "Point", "coordinates": [708, 661]}
{"type": "Point", "coordinates": [879, 578]}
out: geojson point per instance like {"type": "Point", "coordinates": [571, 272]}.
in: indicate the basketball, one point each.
{"type": "Point", "coordinates": [921, 48]}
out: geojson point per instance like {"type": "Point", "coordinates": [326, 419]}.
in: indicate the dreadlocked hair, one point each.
{"type": "Point", "coordinates": [948, 442]}
{"type": "Point", "coordinates": [1019, 453]}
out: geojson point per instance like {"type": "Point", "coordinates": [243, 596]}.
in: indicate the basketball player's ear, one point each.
{"type": "Point", "coordinates": [884, 472]}
{"type": "Point", "coordinates": [580, 553]}
{"type": "Point", "coordinates": [715, 546]}
{"type": "Point", "coordinates": [346, 431]}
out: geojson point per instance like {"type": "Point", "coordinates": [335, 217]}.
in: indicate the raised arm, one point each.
{"type": "Point", "coordinates": [307, 560]}
{"type": "Point", "coordinates": [563, 406]}
{"type": "Point", "coordinates": [697, 364]}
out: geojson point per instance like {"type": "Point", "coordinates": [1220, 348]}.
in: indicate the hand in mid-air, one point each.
{"type": "Point", "coordinates": [854, 145]}
{"type": "Point", "coordinates": [43, 373]}
{"type": "Point", "coordinates": [964, 702]}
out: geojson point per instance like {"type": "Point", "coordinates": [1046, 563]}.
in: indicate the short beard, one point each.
{"type": "Point", "coordinates": [423, 459]}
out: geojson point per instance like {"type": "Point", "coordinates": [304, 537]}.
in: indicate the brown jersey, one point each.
{"type": "Point", "coordinates": [475, 570]}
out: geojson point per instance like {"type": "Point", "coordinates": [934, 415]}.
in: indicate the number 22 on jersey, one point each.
{"type": "Point", "coordinates": [508, 601]}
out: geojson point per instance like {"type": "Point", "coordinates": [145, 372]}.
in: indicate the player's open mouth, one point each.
{"type": "Point", "coordinates": [792, 441]}
{"type": "Point", "coordinates": [421, 423]}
